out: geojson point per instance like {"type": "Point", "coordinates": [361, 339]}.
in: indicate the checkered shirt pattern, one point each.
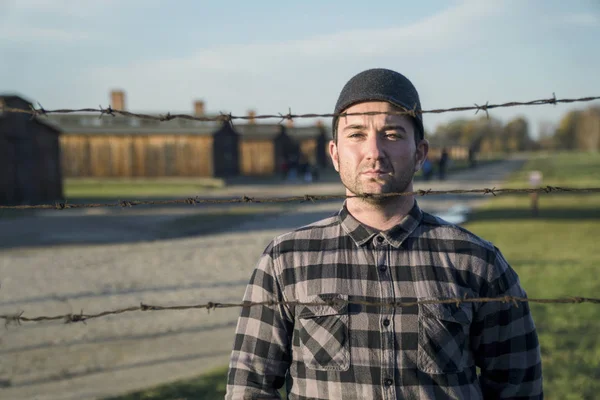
{"type": "Point", "coordinates": [336, 350]}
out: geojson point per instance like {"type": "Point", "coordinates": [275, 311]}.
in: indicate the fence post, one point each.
{"type": "Point", "coordinates": [535, 181]}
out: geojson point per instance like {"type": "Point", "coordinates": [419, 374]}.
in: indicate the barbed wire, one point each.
{"type": "Point", "coordinates": [302, 198]}
{"type": "Point", "coordinates": [41, 111]}
{"type": "Point", "coordinates": [81, 317]}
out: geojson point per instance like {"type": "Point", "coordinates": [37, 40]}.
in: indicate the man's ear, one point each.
{"type": "Point", "coordinates": [333, 153]}
{"type": "Point", "coordinates": [421, 153]}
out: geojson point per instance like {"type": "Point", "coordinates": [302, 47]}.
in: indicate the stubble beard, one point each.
{"type": "Point", "coordinates": [396, 183]}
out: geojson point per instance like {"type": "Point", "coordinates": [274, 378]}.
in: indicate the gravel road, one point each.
{"type": "Point", "coordinates": [57, 263]}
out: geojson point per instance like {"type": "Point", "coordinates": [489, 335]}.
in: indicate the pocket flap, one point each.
{"type": "Point", "coordinates": [324, 304]}
{"type": "Point", "coordinates": [462, 314]}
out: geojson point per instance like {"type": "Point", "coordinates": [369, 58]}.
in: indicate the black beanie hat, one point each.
{"type": "Point", "coordinates": [380, 84]}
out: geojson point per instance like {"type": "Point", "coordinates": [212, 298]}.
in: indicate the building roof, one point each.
{"type": "Point", "coordinates": [16, 101]}
{"type": "Point", "coordinates": [304, 132]}
{"type": "Point", "coordinates": [119, 124]}
{"type": "Point", "coordinates": [258, 131]}
{"type": "Point", "coordinates": [97, 124]}
{"type": "Point", "coordinates": [268, 131]}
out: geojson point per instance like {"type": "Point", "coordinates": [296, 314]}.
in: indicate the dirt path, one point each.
{"type": "Point", "coordinates": [117, 354]}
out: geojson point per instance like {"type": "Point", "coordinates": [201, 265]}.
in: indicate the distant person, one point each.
{"type": "Point", "coordinates": [315, 172]}
{"type": "Point", "coordinates": [293, 167]}
{"type": "Point", "coordinates": [443, 164]}
{"type": "Point", "coordinates": [303, 168]}
{"type": "Point", "coordinates": [472, 159]}
{"type": "Point", "coordinates": [284, 169]}
{"type": "Point", "coordinates": [427, 169]}
{"type": "Point", "coordinates": [307, 172]}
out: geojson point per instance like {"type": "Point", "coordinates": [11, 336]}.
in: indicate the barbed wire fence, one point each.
{"type": "Point", "coordinates": [18, 318]}
{"type": "Point", "coordinates": [41, 111]}
{"type": "Point", "coordinates": [303, 198]}
{"type": "Point", "coordinates": [81, 317]}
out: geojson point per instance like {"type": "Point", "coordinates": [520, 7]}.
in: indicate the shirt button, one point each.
{"type": "Point", "coordinates": [388, 382]}
{"type": "Point", "coordinates": [382, 268]}
{"type": "Point", "coordinates": [380, 239]}
{"type": "Point", "coordinates": [386, 322]}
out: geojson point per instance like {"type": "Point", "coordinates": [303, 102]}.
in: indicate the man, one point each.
{"type": "Point", "coordinates": [382, 249]}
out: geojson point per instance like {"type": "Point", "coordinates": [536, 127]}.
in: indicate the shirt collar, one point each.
{"type": "Point", "coordinates": [396, 235]}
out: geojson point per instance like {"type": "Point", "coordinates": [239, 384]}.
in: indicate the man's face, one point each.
{"type": "Point", "coordinates": [376, 154]}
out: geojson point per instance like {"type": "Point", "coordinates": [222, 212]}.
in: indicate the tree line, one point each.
{"type": "Point", "coordinates": [577, 130]}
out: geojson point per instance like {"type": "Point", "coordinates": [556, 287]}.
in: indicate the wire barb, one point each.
{"type": "Point", "coordinates": [167, 117]}
{"type": "Point", "coordinates": [12, 319]}
{"type": "Point", "coordinates": [108, 111]}
{"type": "Point", "coordinates": [72, 318]}
{"type": "Point", "coordinates": [484, 108]}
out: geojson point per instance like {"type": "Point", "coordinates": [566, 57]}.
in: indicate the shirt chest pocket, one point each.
{"type": "Point", "coordinates": [444, 337]}
{"type": "Point", "coordinates": [323, 333]}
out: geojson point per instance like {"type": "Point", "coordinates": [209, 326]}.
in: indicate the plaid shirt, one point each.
{"type": "Point", "coordinates": [353, 351]}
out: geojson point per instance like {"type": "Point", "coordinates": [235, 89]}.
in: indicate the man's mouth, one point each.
{"type": "Point", "coordinates": [375, 172]}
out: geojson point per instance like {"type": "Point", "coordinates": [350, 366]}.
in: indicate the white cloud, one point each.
{"type": "Point", "coordinates": [586, 20]}
{"type": "Point", "coordinates": [53, 20]}
{"type": "Point", "coordinates": [71, 8]}
{"type": "Point", "coordinates": [48, 21]}
{"type": "Point", "coordinates": [456, 28]}
{"type": "Point", "coordinates": [18, 34]}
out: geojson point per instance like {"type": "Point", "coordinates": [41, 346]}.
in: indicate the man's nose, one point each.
{"type": "Point", "coordinates": [374, 147]}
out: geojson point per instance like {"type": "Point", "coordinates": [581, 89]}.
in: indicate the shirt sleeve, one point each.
{"type": "Point", "coordinates": [504, 340]}
{"type": "Point", "coordinates": [262, 347]}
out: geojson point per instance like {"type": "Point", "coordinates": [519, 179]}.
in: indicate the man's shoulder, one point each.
{"type": "Point", "coordinates": [319, 229]}
{"type": "Point", "coordinates": [486, 260]}
{"type": "Point", "coordinates": [438, 227]}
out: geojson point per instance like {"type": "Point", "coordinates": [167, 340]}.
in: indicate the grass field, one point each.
{"type": "Point", "coordinates": [207, 387]}
{"type": "Point", "coordinates": [555, 256]}
{"type": "Point", "coordinates": [75, 188]}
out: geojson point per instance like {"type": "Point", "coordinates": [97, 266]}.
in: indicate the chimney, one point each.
{"type": "Point", "coordinates": [290, 123]}
{"type": "Point", "coordinates": [319, 123]}
{"type": "Point", "coordinates": [251, 115]}
{"type": "Point", "coordinates": [199, 108]}
{"type": "Point", "coordinates": [117, 100]}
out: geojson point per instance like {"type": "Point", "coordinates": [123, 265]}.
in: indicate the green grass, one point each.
{"type": "Point", "coordinates": [209, 386]}
{"type": "Point", "coordinates": [555, 256]}
{"type": "Point", "coordinates": [562, 169]}
{"type": "Point", "coordinates": [91, 190]}
{"type": "Point", "coordinates": [462, 165]}
{"type": "Point", "coordinates": [127, 188]}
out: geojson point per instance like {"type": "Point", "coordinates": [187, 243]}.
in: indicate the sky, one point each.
{"type": "Point", "coordinates": [274, 56]}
